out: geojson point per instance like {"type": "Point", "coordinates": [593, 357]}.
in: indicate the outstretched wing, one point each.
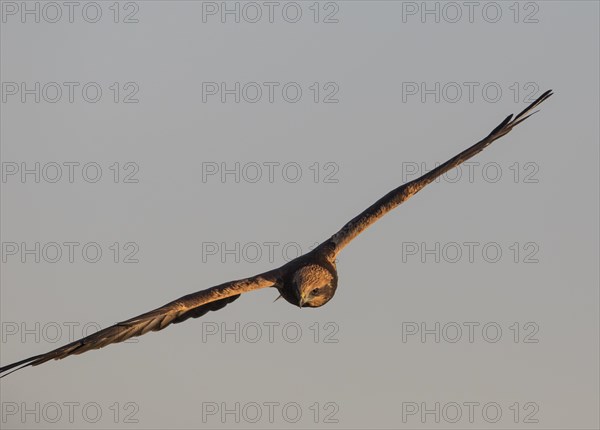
{"type": "Point", "coordinates": [399, 195]}
{"type": "Point", "coordinates": [191, 306]}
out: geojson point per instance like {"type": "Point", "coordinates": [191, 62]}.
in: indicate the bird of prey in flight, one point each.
{"type": "Point", "coordinates": [307, 281]}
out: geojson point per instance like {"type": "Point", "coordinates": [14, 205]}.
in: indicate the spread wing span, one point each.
{"type": "Point", "coordinates": [197, 304]}
{"type": "Point", "coordinates": [399, 195]}
{"type": "Point", "coordinates": [191, 306]}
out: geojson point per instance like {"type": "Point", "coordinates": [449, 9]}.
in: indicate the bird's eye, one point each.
{"type": "Point", "coordinates": [316, 291]}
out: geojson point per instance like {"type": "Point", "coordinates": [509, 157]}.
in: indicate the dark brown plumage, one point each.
{"type": "Point", "coordinates": [307, 281]}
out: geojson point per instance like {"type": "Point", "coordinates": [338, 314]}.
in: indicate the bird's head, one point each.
{"type": "Point", "coordinates": [314, 285]}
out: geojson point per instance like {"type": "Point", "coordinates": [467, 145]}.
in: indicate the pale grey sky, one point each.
{"type": "Point", "coordinates": [145, 156]}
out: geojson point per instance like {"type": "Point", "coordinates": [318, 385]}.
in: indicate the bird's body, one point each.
{"type": "Point", "coordinates": [308, 281]}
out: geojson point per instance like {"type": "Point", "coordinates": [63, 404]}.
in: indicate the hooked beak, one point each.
{"type": "Point", "coordinates": [302, 301]}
